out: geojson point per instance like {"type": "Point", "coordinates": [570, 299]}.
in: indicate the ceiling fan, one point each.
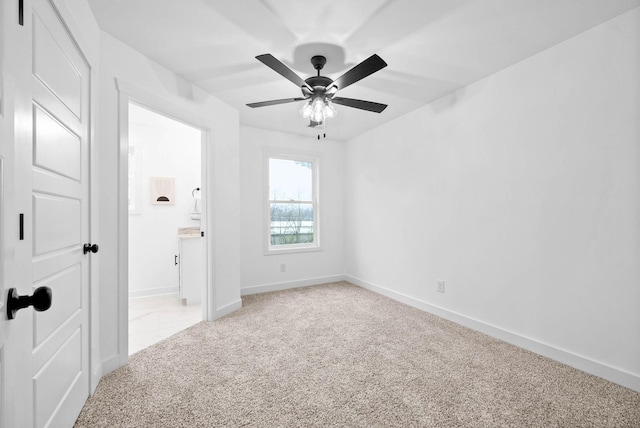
{"type": "Point", "coordinates": [320, 91]}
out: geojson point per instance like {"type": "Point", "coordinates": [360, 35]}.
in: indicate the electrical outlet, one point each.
{"type": "Point", "coordinates": [283, 267]}
{"type": "Point", "coordinates": [440, 286]}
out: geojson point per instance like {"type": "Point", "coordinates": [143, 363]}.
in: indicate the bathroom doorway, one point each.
{"type": "Point", "coordinates": [165, 212]}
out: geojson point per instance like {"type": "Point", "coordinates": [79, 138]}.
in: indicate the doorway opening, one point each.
{"type": "Point", "coordinates": [166, 271]}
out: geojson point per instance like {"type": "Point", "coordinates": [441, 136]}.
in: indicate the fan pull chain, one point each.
{"type": "Point", "coordinates": [324, 129]}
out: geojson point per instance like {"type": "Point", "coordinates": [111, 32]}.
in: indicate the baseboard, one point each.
{"type": "Point", "coordinates": [227, 309]}
{"type": "Point", "coordinates": [95, 379]}
{"type": "Point", "coordinates": [110, 364]}
{"type": "Point", "coordinates": [277, 286]}
{"type": "Point", "coordinates": [579, 362]}
{"type": "Point", "coordinates": [147, 292]}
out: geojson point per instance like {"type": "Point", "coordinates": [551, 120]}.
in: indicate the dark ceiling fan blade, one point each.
{"type": "Point", "coordinates": [277, 66]}
{"type": "Point", "coordinates": [365, 68]}
{"type": "Point", "coordinates": [274, 102]}
{"type": "Point", "coordinates": [361, 104]}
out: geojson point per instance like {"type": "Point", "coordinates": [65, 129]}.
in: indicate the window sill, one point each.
{"type": "Point", "coordinates": [290, 250]}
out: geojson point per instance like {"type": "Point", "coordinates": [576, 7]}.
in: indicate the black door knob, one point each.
{"type": "Point", "coordinates": [40, 300]}
{"type": "Point", "coordinates": [88, 247]}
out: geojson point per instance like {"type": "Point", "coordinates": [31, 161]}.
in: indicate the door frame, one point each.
{"type": "Point", "coordinates": [130, 93]}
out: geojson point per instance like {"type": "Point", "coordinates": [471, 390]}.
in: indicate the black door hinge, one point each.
{"type": "Point", "coordinates": [21, 12]}
{"type": "Point", "coordinates": [21, 227]}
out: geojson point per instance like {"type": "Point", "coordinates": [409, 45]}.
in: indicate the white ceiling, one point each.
{"type": "Point", "coordinates": [432, 47]}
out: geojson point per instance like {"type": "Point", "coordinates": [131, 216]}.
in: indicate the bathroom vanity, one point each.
{"type": "Point", "coordinates": [190, 264]}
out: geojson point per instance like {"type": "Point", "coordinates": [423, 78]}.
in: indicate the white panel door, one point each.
{"type": "Point", "coordinates": [60, 220]}
{"type": "Point", "coordinates": [49, 350]}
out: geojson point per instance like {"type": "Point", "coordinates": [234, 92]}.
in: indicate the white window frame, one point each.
{"type": "Point", "coordinates": [315, 160]}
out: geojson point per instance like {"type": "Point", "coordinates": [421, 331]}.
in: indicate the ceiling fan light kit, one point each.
{"type": "Point", "coordinates": [319, 92]}
{"type": "Point", "coordinates": [318, 110]}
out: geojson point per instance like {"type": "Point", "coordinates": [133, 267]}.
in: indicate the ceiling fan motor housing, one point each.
{"type": "Point", "coordinates": [319, 85]}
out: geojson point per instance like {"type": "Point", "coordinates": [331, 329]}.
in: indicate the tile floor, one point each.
{"type": "Point", "coordinates": [154, 318]}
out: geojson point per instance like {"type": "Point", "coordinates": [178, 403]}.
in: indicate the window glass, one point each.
{"type": "Point", "coordinates": [290, 180]}
{"type": "Point", "coordinates": [292, 204]}
{"type": "Point", "coordinates": [291, 224]}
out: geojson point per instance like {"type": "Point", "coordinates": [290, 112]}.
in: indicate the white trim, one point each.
{"type": "Point", "coordinates": [292, 249]}
{"type": "Point", "coordinates": [174, 108]}
{"type": "Point", "coordinates": [110, 364]}
{"type": "Point", "coordinates": [95, 363]}
{"type": "Point", "coordinates": [149, 292]}
{"type": "Point", "coordinates": [227, 309]}
{"type": "Point", "coordinates": [169, 106]}
{"type": "Point", "coordinates": [277, 286]}
{"type": "Point", "coordinates": [206, 224]}
{"type": "Point", "coordinates": [135, 156]}
{"type": "Point", "coordinates": [621, 377]}
{"type": "Point", "coordinates": [122, 263]}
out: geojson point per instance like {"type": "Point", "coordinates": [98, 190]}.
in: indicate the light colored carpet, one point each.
{"type": "Point", "coordinates": [339, 355]}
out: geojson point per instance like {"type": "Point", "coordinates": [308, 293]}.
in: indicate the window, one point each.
{"type": "Point", "coordinates": [292, 204]}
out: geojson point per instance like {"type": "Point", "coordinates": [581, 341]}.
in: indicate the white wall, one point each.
{"type": "Point", "coordinates": [522, 193]}
{"type": "Point", "coordinates": [261, 272]}
{"type": "Point", "coordinates": [177, 97]}
{"type": "Point", "coordinates": [166, 148]}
